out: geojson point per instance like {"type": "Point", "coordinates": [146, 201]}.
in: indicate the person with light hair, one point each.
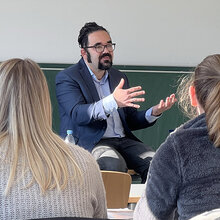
{"type": "Point", "coordinates": [40, 175]}
{"type": "Point", "coordinates": [184, 176]}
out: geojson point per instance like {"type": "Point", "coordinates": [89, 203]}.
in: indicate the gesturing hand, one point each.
{"type": "Point", "coordinates": [163, 106]}
{"type": "Point", "coordinates": [127, 97]}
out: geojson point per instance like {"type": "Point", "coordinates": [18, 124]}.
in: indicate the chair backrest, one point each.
{"type": "Point", "coordinates": [117, 187]}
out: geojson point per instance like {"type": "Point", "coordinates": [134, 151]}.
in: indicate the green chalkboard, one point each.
{"type": "Point", "coordinates": [158, 82]}
{"type": "Point", "coordinates": [50, 71]}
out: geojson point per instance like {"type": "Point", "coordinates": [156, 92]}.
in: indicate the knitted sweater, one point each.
{"type": "Point", "coordinates": [184, 175]}
{"type": "Point", "coordinates": [81, 200]}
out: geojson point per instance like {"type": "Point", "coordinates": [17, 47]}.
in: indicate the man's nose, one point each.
{"type": "Point", "coordinates": [105, 50]}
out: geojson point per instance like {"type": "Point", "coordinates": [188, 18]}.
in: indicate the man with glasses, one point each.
{"type": "Point", "coordinates": [96, 102]}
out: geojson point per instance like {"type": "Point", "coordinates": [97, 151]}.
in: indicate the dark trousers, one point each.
{"type": "Point", "coordinates": [121, 154]}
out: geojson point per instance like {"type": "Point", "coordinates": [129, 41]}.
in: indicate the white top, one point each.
{"type": "Point", "coordinates": [210, 215]}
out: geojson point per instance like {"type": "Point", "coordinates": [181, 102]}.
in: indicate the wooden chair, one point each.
{"type": "Point", "coordinates": [117, 187]}
{"type": "Point", "coordinates": [132, 172]}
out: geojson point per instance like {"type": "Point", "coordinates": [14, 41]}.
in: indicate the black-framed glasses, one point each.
{"type": "Point", "coordinates": [100, 48]}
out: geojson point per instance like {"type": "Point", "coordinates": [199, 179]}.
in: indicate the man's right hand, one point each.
{"type": "Point", "coordinates": [127, 97]}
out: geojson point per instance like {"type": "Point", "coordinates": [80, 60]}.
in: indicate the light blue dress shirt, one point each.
{"type": "Point", "coordinates": [106, 108]}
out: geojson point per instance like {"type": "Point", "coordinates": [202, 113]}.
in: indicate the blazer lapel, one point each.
{"type": "Point", "coordinates": [88, 80]}
{"type": "Point", "coordinates": [113, 80]}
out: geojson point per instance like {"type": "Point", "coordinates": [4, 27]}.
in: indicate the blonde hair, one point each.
{"type": "Point", "coordinates": [183, 96]}
{"type": "Point", "coordinates": [206, 80]}
{"type": "Point", "coordinates": [26, 127]}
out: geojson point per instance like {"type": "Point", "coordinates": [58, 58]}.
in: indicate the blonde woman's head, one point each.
{"type": "Point", "coordinates": [206, 83]}
{"type": "Point", "coordinates": [26, 127]}
{"type": "Point", "coordinates": [24, 95]}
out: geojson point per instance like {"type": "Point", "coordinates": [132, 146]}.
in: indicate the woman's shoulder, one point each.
{"type": "Point", "coordinates": [192, 129]}
{"type": "Point", "coordinates": [182, 138]}
{"type": "Point", "coordinates": [83, 157]}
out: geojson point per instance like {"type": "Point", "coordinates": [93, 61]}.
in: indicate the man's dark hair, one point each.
{"type": "Point", "coordinates": [87, 29]}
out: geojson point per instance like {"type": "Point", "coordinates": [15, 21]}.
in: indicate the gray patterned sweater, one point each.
{"type": "Point", "coordinates": [86, 200]}
{"type": "Point", "coordinates": [184, 175]}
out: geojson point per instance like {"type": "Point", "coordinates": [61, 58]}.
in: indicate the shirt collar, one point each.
{"type": "Point", "coordinates": [104, 78]}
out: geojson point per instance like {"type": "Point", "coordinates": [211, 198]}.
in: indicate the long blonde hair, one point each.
{"type": "Point", "coordinates": [206, 80]}
{"type": "Point", "coordinates": [26, 127]}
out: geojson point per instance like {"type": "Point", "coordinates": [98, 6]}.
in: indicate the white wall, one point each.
{"type": "Point", "coordinates": [147, 32]}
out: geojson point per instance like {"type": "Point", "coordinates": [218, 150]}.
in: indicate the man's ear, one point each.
{"type": "Point", "coordinates": [192, 94]}
{"type": "Point", "coordinates": [83, 52]}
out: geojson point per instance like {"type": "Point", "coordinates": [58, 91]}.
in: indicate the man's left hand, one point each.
{"type": "Point", "coordinates": [163, 106]}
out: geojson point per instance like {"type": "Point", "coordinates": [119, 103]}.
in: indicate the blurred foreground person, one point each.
{"type": "Point", "coordinates": [184, 176]}
{"type": "Point", "coordinates": [40, 175]}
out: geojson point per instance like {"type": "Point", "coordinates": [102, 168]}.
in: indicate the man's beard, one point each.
{"type": "Point", "coordinates": [107, 63]}
{"type": "Point", "coordinates": [102, 66]}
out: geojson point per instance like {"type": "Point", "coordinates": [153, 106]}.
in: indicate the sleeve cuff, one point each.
{"type": "Point", "coordinates": [150, 118]}
{"type": "Point", "coordinates": [109, 104]}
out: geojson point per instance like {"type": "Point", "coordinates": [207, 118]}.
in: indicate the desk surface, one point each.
{"type": "Point", "coordinates": [136, 192]}
{"type": "Point", "coordinates": [120, 213]}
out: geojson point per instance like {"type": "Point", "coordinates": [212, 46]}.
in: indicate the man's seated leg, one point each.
{"type": "Point", "coordinates": [109, 159]}
{"type": "Point", "coordinates": [137, 156]}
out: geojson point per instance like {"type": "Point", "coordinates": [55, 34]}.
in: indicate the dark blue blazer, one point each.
{"type": "Point", "coordinates": [76, 91]}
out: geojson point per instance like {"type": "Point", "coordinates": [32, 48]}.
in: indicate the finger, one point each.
{"type": "Point", "coordinates": [161, 104]}
{"type": "Point", "coordinates": [133, 105]}
{"type": "Point", "coordinates": [134, 89]}
{"type": "Point", "coordinates": [173, 98]}
{"type": "Point", "coordinates": [121, 84]}
{"type": "Point", "coordinates": [137, 100]}
{"type": "Point", "coordinates": [170, 103]}
{"type": "Point", "coordinates": [134, 94]}
{"type": "Point", "coordinates": [172, 95]}
{"type": "Point", "coordinates": [167, 102]}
